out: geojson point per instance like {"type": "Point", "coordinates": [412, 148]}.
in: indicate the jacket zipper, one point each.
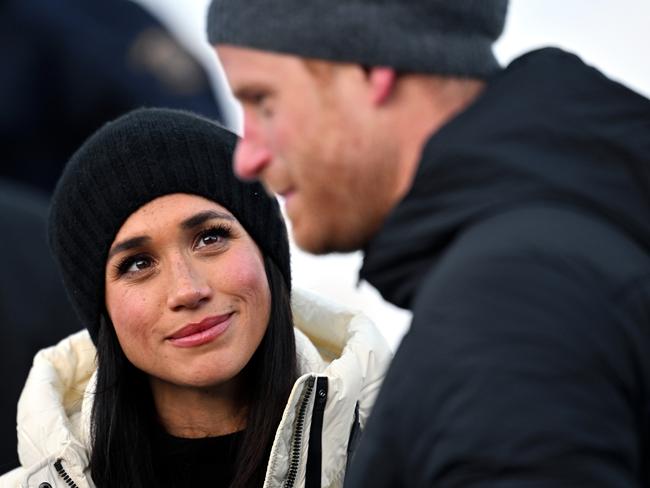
{"type": "Point", "coordinates": [297, 437]}
{"type": "Point", "coordinates": [313, 473]}
{"type": "Point", "coordinates": [64, 475]}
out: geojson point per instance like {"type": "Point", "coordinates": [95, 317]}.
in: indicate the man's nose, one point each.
{"type": "Point", "coordinates": [251, 154]}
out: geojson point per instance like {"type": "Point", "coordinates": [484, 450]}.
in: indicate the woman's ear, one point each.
{"type": "Point", "coordinates": [382, 83]}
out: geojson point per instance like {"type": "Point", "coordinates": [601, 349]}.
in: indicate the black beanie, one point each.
{"type": "Point", "coordinates": [447, 37]}
{"type": "Point", "coordinates": [131, 161]}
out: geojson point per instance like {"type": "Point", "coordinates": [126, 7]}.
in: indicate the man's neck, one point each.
{"type": "Point", "coordinates": [427, 104]}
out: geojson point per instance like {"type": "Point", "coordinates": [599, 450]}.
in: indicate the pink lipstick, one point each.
{"type": "Point", "coordinates": [199, 333]}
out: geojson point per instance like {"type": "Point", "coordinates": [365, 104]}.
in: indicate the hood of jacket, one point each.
{"type": "Point", "coordinates": [53, 420]}
{"type": "Point", "coordinates": [332, 342]}
{"type": "Point", "coordinates": [548, 128]}
{"type": "Point", "coordinates": [344, 348]}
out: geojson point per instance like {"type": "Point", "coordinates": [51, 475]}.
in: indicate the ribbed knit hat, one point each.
{"type": "Point", "coordinates": [448, 37]}
{"type": "Point", "coordinates": [131, 161]}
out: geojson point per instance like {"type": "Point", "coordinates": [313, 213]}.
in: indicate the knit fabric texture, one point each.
{"type": "Point", "coordinates": [448, 37]}
{"type": "Point", "coordinates": [131, 161]}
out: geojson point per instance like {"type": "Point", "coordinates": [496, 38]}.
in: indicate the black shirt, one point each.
{"type": "Point", "coordinates": [180, 462]}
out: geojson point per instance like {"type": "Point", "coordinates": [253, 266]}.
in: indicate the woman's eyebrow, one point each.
{"type": "Point", "coordinates": [201, 217]}
{"type": "Point", "coordinates": [127, 244]}
{"type": "Point", "coordinates": [189, 223]}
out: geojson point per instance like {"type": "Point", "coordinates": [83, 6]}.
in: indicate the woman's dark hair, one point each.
{"type": "Point", "coordinates": [123, 423]}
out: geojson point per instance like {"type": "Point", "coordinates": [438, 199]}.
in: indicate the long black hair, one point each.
{"type": "Point", "coordinates": [123, 415]}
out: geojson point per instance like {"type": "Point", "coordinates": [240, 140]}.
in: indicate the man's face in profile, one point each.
{"type": "Point", "coordinates": [309, 137]}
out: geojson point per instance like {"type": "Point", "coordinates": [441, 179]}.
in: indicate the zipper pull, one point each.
{"type": "Point", "coordinates": [321, 394]}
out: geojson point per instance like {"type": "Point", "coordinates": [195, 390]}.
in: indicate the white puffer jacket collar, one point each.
{"type": "Point", "coordinates": [342, 359]}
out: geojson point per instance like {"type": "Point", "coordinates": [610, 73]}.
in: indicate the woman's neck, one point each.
{"type": "Point", "coordinates": [192, 412]}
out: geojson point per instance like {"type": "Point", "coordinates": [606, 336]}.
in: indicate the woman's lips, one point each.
{"type": "Point", "coordinates": [199, 333]}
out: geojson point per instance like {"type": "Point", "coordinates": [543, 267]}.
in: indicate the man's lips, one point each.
{"type": "Point", "coordinates": [286, 193]}
{"type": "Point", "coordinates": [287, 198]}
{"type": "Point", "coordinates": [198, 333]}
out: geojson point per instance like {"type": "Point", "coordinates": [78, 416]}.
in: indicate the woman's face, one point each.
{"type": "Point", "coordinates": [187, 292]}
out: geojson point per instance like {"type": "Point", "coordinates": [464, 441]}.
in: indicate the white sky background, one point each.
{"type": "Point", "coordinates": [613, 36]}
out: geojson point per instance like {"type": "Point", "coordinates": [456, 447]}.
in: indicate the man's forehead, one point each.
{"type": "Point", "coordinates": [243, 57]}
{"type": "Point", "coordinates": [244, 65]}
{"type": "Point", "coordinates": [252, 70]}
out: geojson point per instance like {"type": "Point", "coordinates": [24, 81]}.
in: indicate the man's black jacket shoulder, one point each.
{"type": "Point", "coordinates": [523, 252]}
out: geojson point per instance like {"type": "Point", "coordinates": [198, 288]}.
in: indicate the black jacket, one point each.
{"type": "Point", "coordinates": [523, 251]}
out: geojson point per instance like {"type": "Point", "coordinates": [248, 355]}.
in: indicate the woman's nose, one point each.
{"type": "Point", "coordinates": [188, 288]}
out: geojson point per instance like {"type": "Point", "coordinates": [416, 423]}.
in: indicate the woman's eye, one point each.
{"type": "Point", "coordinates": [134, 264]}
{"type": "Point", "coordinates": [206, 240]}
{"type": "Point", "coordinates": [139, 264]}
{"type": "Point", "coordinates": [212, 237]}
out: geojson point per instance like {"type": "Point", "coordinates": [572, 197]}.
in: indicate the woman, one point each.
{"type": "Point", "coordinates": [181, 274]}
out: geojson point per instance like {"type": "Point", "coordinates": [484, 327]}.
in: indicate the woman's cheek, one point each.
{"type": "Point", "coordinates": [133, 316]}
{"type": "Point", "coordinates": [248, 279]}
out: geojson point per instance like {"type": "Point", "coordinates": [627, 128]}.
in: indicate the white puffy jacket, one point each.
{"type": "Point", "coordinates": [342, 359]}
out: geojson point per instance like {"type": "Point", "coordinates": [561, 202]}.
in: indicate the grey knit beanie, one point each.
{"type": "Point", "coordinates": [448, 37]}
{"type": "Point", "coordinates": [131, 161]}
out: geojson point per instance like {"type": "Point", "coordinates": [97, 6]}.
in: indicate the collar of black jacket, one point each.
{"type": "Point", "coordinates": [548, 128]}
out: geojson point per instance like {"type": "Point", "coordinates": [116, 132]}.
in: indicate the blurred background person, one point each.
{"type": "Point", "coordinates": [34, 309]}
{"type": "Point", "coordinates": [68, 67]}
{"type": "Point", "coordinates": [71, 65]}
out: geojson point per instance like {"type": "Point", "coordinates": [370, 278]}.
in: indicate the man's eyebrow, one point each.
{"type": "Point", "coordinates": [127, 244]}
{"type": "Point", "coordinates": [250, 93]}
{"type": "Point", "coordinates": [201, 217]}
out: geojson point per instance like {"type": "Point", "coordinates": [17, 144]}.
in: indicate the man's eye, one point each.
{"type": "Point", "coordinates": [258, 99]}
{"type": "Point", "coordinates": [260, 102]}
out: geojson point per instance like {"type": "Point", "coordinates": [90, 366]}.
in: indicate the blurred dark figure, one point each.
{"type": "Point", "coordinates": [34, 309]}
{"type": "Point", "coordinates": [70, 65]}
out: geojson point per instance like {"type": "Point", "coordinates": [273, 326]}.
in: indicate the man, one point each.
{"type": "Point", "coordinates": [509, 209]}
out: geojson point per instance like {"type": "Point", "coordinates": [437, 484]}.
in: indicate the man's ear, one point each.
{"type": "Point", "coordinates": [382, 83]}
